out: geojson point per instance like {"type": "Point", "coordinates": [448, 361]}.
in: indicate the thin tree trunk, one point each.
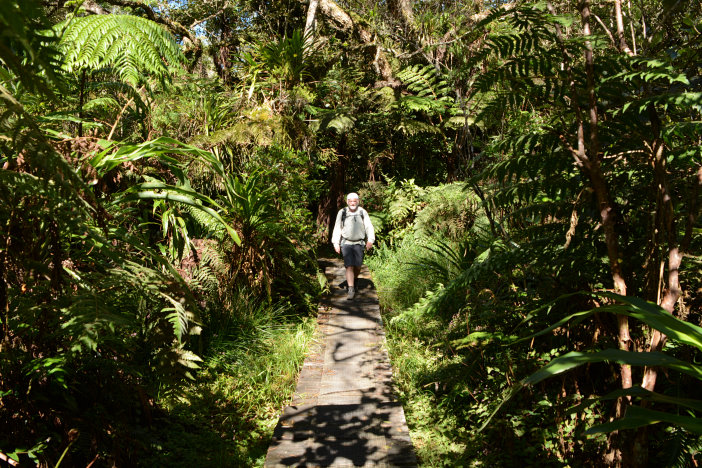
{"type": "Point", "coordinates": [310, 22]}
{"type": "Point", "coordinates": [621, 38]}
{"type": "Point", "coordinates": [675, 250]}
{"type": "Point", "coordinates": [607, 208]}
{"type": "Point", "coordinates": [329, 204]}
{"type": "Point", "coordinates": [667, 213]}
{"type": "Point", "coordinates": [588, 159]}
{"type": "Point", "coordinates": [631, 28]}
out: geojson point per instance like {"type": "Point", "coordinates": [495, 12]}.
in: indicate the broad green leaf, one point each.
{"type": "Point", "coordinates": [638, 417]}
{"type": "Point", "coordinates": [649, 313]}
{"type": "Point", "coordinates": [168, 194]}
{"type": "Point", "coordinates": [576, 358]}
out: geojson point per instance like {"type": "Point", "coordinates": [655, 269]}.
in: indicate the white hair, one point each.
{"type": "Point", "coordinates": [352, 195]}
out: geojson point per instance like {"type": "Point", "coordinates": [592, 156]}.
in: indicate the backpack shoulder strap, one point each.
{"type": "Point", "coordinates": [343, 216]}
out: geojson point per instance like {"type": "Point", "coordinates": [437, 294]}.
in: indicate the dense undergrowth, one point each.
{"type": "Point", "coordinates": [226, 417]}
{"type": "Point", "coordinates": [453, 319]}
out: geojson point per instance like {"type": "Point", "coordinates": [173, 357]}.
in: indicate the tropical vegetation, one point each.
{"type": "Point", "coordinates": [170, 170]}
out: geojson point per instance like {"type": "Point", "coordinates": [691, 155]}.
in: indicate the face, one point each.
{"type": "Point", "coordinates": [353, 203]}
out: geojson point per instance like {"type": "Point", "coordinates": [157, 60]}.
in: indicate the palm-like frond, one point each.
{"type": "Point", "coordinates": [431, 92]}
{"type": "Point", "coordinates": [286, 59]}
{"type": "Point", "coordinates": [129, 45]}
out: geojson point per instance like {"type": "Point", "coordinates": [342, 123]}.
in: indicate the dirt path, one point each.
{"type": "Point", "coordinates": [344, 412]}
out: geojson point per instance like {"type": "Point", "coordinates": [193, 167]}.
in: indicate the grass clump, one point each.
{"type": "Point", "coordinates": [227, 416]}
{"type": "Point", "coordinates": [394, 271]}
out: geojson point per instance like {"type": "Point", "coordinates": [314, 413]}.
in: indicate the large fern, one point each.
{"type": "Point", "coordinates": [129, 45]}
{"type": "Point", "coordinates": [431, 93]}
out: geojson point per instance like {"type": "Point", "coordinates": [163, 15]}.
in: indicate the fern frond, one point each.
{"type": "Point", "coordinates": [101, 103]}
{"type": "Point", "coordinates": [341, 120]}
{"type": "Point", "coordinates": [424, 81]}
{"type": "Point", "coordinates": [207, 223]}
{"type": "Point", "coordinates": [118, 87]}
{"type": "Point", "coordinates": [128, 44]}
{"type": "Point", "coordinates": [422, 104]}
{"type": "Point", "coordinates": [413, 127]}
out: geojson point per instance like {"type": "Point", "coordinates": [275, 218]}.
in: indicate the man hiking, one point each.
{"type": "Point", "coordinates": [353, 234]}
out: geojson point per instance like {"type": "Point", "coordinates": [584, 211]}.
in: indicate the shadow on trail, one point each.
{"type": "Point", "coordinates": [361, 283]}
{"type": "Point", "coordinates": [360, 434]}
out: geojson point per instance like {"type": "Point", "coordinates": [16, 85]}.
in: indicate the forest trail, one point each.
{"type": "Point", "coordinates": [344, 411]}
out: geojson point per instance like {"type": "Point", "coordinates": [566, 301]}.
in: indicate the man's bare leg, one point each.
{"type": "Point", "coordinates": [351, 276]}
{"type": "Point", "coordinates": [350, 281]}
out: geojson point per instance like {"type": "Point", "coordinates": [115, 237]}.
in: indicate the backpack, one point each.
{"type": "Point", "coordinates": [343, 216]}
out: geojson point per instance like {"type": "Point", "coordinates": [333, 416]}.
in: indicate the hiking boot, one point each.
{"type": "Point", "coordinates": [351, 293]}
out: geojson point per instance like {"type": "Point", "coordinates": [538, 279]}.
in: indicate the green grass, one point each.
{"type": "Point", "coordinates": [432, 428]}
{"type": "Point", "coordinates": [414, 340]}
{"type": "Point", "coordinates": [399, 282]}
{"type": "Point", "coordinates": [227, 416]}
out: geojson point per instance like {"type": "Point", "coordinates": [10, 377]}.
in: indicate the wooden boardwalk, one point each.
{"type": "Point", "coordinates": [344, 412]}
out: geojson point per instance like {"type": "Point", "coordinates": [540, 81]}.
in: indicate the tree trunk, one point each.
{"type": "Point", "coordinates": [334, 198]}
{"type": "Point", "coordinates": [402, 10]}
{"type": "Point", "coordinates": [587, 157]}
{"type": "Point", "coordinates": [339, 19]}
{"type": "Point", "coordinates": [310, 22]}
{"type": "Point", "coordinates": [621, 38]}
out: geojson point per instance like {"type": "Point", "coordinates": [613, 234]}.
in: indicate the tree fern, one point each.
{"type": "Point", "coordinates": [431, 92]}
{"type": "Point", "coordinates": [130, 45]}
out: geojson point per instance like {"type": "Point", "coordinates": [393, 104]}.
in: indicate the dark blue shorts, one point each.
{"type": "Point", "coordinates": [353, 254]}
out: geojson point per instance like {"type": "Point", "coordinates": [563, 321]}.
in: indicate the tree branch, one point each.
{"type": "Point", "coordinates": [609, 33]}
{"type": "Point", "coordinates": [217, 13]}
{"type": "Point", "coordinates": [622, 45]}
{"type": "Point", "coordinates": [339, 19]}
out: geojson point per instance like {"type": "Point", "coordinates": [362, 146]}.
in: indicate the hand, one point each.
{"type": "Point", "coordinates": [337, 248]}
{"type": "Point", "coordinates": [369, 245]}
